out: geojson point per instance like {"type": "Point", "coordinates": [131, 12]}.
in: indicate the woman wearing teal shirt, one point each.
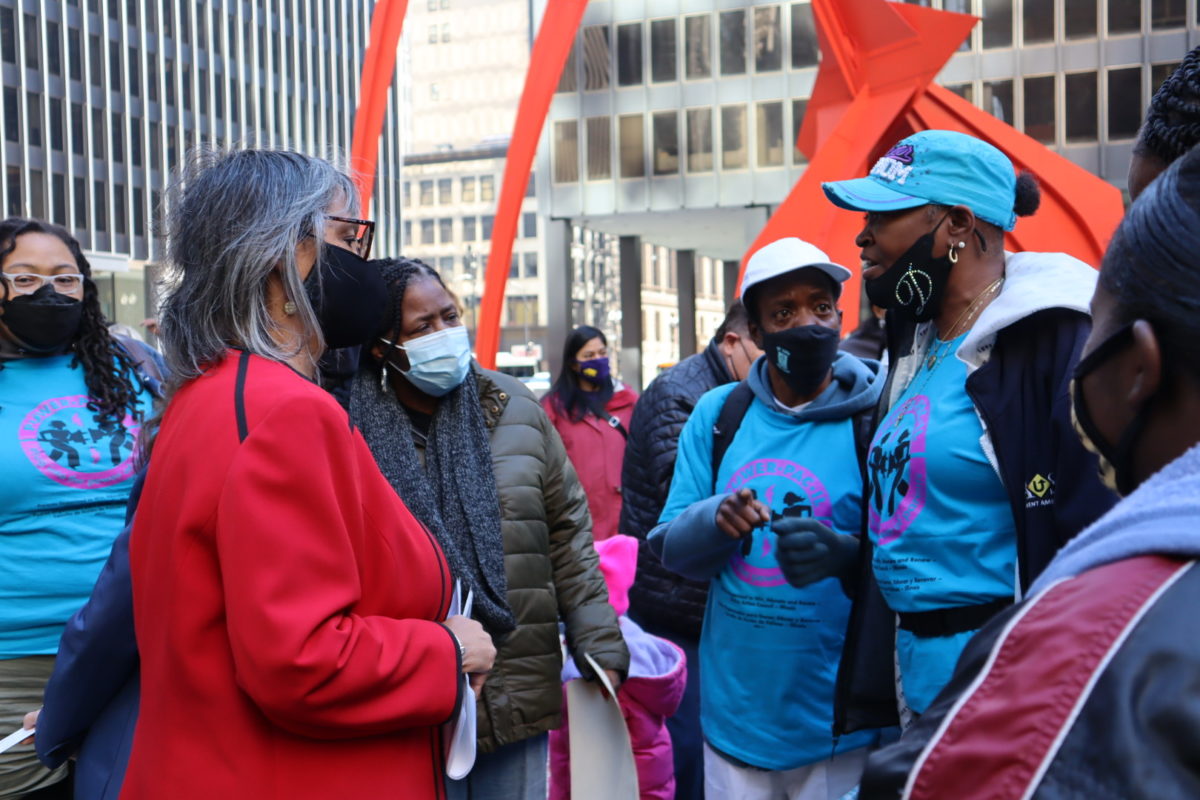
{"type": "Point", "coordinates": [974, 475]}
{"type": "Point", "coordinates": [71, 405]}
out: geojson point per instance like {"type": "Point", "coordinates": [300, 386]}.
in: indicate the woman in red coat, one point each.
{"type": "Point", "coordinates": [288, 606]}
{"type": "Point", "coordinates": [591, 412]}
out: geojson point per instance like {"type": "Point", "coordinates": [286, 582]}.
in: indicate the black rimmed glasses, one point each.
{"type": "Point", "coordinates": [364, 234]}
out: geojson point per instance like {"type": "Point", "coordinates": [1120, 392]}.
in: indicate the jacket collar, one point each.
{"type": "Point", "coordinates": [492, 399]}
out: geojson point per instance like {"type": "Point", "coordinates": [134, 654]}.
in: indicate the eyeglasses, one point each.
{"type": "Point", "coordinates": [30, 282]}
{"type": "Point", "coordinates": [364, 234]}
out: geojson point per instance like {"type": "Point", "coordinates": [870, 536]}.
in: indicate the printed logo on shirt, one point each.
{"type": "Point", "coordinates": [789, 490]}
{"type": "Point", "coordinates": [896, 471]}
{"type": "Point", "coordinates": [1040, 491]}
{"type": "Point", "coordinates": [69, 444]}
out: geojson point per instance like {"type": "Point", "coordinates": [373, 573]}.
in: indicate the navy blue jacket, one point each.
{"type": "Point", "coordinates": [1023, 394]}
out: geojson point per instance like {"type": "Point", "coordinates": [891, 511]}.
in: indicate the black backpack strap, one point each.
{"type": "Point", "coordinates": [730, 418]}
{"type": "Point", "coordinates": [864, 431]}
{"type": "Point", "coordinates": [616, 424]}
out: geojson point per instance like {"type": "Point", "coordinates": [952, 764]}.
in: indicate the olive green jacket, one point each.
{"type": "Point", "coordinates": [552, 569]}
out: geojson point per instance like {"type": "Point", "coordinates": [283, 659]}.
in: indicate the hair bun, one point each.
{"type": "Point", "coordinates": [1028, 195]}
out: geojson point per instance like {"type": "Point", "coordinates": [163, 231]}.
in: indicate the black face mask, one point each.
{"type": "Point", "coordinates": [44, 322]}
{"type": "Point", "coordinates": [1115, 463]}
{"type": "Point", "coordinates": [350, 300]}
{"type": "Point", "coordinates": [913, 286]}
{"type": "Point", "coordinates": [803, 355]}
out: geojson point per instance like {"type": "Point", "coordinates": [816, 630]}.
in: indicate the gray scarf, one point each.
{"type": "Point", "coordinates": [454, 495]}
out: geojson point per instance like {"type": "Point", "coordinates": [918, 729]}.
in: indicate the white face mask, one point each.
{"type": "Point", "coordinates": [439, 362]}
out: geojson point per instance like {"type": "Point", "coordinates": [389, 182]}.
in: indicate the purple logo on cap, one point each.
{"type": "Point", "coordinates": [902, 153]}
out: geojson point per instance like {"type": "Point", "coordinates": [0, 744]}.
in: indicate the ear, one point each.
{"type": "Point", "coordinates": [960, 225]}
{"type": "Point", "coordinates": [1145, 359]}
{"type": "Point", "coordinates": [729, 342]}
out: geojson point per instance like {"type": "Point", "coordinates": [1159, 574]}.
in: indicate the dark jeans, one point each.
{"type": "Point", "coordinates": [687, 740]}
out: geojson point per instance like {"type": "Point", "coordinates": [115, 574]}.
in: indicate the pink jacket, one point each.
{"type": "Point", "coordinates": [657, 678]}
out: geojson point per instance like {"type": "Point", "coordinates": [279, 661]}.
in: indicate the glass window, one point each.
{"type": "Point", "coordinates": [997, 23]}
{"type": "Point", "coordinates": [120, 227]}
{"type": "Point", "coordinates": [964, 90]}
{"type": "Point", "coordinates": [666, 142]}
{"type": "Point", "coordinates": [1039, 108]}
{"type": "Point", "coordinates": [531, 265]}
{"type": "Point", "coordinates": [37, 194]}
{"type": "Point", "coordinates": [433, 34]}
{"type": "Point", "coordinates": [31, 41]}
{"type": "Point", "coordinates": [1125, 102]}
{"type": "Point", "coordinates": [599, 149]}
{"type": "Point", "coordinates": [467, 186]}
{"type": "Point", "coordinates": [522, 309]}
{"type": "Point", "coordinates": [487, 188]}
{"type": "Point", "coordinates": [80, 202]}
{"type": "Point", "coordinates": [56, 124]}
{"type": "Point", "coordinates": [445, 191]}
{"type": "Point", "coordinates": [445, 32]}
{"type": "Point", "coordinates": [135, 78]}
{"type": "Point", "coordinates": [596, 58]}
{"type": "Point", "coordinates": [1079, 18]}
{"type": "Point", "coordinates": [445, 230]}
{"type": "Point", "coordinates": [77, 133]}
{"type": "Point", "coordinates": [445, 266]}
{"type": "Point", "coordinates": [58, 185]}
{"type": "Point", "coordinates": [139, 213]}
{"type": "Point", "coordinates": [697, 37]}
{"type": "Point", "coordinates": [768, 40]}
{"type": "Point", "coordinates": [12, 115]}
{"type": "Point", "coordinates": [769, 126]}
{"type": "Point", "coordinates": [100, 206]}
{"type": "Point", "coordinates": [468, 228]}
{"type": "Point", "coordinates": [1168, 14]}
{"type": "Point", "coordinates": [53, 49]}
{"type": "Point", "coordinates": [1081, 107]}
{"type": "Point", "coordinates": [733, 137]}
{"type": "Point", "coordinates": [662, 50]}
{"type": "Point", "coordinates": [566, 151]}
{"type": "Point", "coordinates": [426, 193]}
{"type": "Point", "coordinates": [569, 81]}
{"type": "Point", "coordinates": [135, 141]}
{"type": "Point", "coordinates": [699, 140]}
{"type": "Point", "coordinates": [8, 35]}
{"type": "Point", "coordinates": [998, 100]}
{"type": "Point", "coordinates": [1124, 16]}
{"type": "Point", "coordinates": [733, 42]}
{"type": "Point", "coordinates": [33, 122]}
{"type": "Point", "coordinates": [632, 144]}
{"type": "Point", "coordinates": [1037, 22]}
{"type": "Point", "coordinates": [485, 227]}
{"type": "Point", "coordinates": [804, 37]}
{"type": "Point", "coordinates": [114, 67]}
{"type": "Point", "coordinates": [531, 186]}
{"type": "Point", "coordinates": [13, 185]}
{"type": "Point", "coordinates": [629, 54]}
{"type": "Point", "coordinates": [799, 107]}
{"type": "Point", "coordinates": [426, 231]}
{"type": "Point", "coordinates": [529, 224]}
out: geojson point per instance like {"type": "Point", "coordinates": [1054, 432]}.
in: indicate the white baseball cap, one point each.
{"type": "Point", "coordinates": [787, 255]}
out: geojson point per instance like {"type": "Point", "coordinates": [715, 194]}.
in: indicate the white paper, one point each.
{"type": "Point", "coordinates": [458, 737]}
{"type": "Point", "coordinates": [15, 738]}
{"type": "Point", "coordinates": [602, 765]}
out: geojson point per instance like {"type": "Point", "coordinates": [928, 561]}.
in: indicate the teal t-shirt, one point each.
{"type": "Point", "coordinates": [770, 652]}
{"type": "Point", "coordinates": [67, 477]}
{"type": "Point", "coordinates": [939, 517]}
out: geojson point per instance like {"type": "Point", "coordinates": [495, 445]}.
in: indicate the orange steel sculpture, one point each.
{"type": "Point", "coordinates": [874, 87]}
{"type": "Point", "coordinates": [379, 63]}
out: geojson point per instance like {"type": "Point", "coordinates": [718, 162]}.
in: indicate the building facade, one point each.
{"type": "Point", "coordinates": [103, 99]}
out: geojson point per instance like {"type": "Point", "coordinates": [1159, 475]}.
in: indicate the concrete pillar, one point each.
{"type": "Point", "coordinates": [559, 272]}
{"type": "Point", "coordinates": [731, 269]}
{"type": "Point", "coordinates": [630, 250]}
{"type": "Point", "coordinates": [685, 285]}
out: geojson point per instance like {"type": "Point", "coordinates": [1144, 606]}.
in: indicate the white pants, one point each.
{"type": "Point", "coordinates": [824, 780]}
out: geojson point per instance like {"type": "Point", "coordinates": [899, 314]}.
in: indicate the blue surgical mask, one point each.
{"type": "Point", "coordinates": [439, 362]}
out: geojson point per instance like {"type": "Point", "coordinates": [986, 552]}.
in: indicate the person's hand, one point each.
{"type": "Point", "coordinates": [614, 678]}
{"type": "Point", "coordinates": [740, 513]}
{"type": "Point", "coordinates": [30, 722]}
{"type": "Point", "coordinates": [477, 680]}
{"type": "Point", "coordinates": [808, 551]}
{"type": "Point", "coordinates": [481, 652]}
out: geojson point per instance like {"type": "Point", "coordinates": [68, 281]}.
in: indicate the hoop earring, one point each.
{"type": "Point", "coordinates": [952, 255]}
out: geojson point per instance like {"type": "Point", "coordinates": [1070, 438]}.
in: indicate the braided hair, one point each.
{"type": "Point", "coordinates": [109, 371]}
{"type": "Point", "coordinates": [398, 273]}
{"type": "Point", "coordinates": [1172, 124]}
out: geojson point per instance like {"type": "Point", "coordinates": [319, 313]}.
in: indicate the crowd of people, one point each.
{"type": "Point", "coordinates": [948, 556]}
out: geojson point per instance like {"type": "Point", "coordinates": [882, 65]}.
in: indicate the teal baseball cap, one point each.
{"type": "Point", "coordinates": [942, 167]}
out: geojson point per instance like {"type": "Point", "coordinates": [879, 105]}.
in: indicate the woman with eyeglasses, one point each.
{"type": "Point", "coordinates": [72, 403]}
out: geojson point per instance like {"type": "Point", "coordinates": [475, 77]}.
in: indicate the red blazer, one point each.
{"type": "Point", "coordinates": [284, 600]}
{"type": "Point", "coordinates": [597, 450]}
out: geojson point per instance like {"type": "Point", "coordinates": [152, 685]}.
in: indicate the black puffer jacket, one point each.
{"type": "Point", "coordinates": [659, 597]}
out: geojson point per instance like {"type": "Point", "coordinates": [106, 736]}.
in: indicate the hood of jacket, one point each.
{"type": "Point", "coordinates": [1158, 518]}
{"type": "Point", "coordinates": [657, 670]}
{"type": "Point", "coordinates": [855, 386]}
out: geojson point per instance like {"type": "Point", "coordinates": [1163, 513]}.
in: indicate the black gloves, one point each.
{"type": "Point", "coordinates": [808, 551]}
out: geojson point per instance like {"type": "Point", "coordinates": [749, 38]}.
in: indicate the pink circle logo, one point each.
{"type": "Point", "coordinates": [896, 471]}
{"type": "Point", "coordinates": [789, 490]}
{"type": "Point", "coordinates": [70, 445]}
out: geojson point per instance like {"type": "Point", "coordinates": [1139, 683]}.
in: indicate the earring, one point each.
{"type": "Point", "coordinates": [383, 378]}
{"type": "Point", "coordinates": [952, 254]}
{"type": "Point", "coordinates": [289, 308]}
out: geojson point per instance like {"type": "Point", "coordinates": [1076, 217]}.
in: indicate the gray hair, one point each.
{"type": "Point", "coordinates": [235, 217]}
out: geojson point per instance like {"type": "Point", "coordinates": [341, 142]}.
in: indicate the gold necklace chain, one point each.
{"type": "Point", "coordinates": [968, 314]}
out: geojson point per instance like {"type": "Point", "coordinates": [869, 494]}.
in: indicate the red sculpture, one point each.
{"type": "Point", "coordinates": [379, 63]}
{"type": "Point", "coordinates": [874, 87]}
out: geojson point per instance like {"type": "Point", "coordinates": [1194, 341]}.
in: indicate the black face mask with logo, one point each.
{"type": "Point", "coordinates": [803, 355]}
{"type": "Point", "coordinates": [351, 299]}
{"type": "Point", "coordinates": [45, 322]}
{"type": "Point", "coordinates": [913, 287]}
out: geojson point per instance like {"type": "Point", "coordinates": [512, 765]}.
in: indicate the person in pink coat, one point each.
{"type": "Point", "coordinates": [591, 412]}
{"type": "Point", "coordinates": [657, 677]}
